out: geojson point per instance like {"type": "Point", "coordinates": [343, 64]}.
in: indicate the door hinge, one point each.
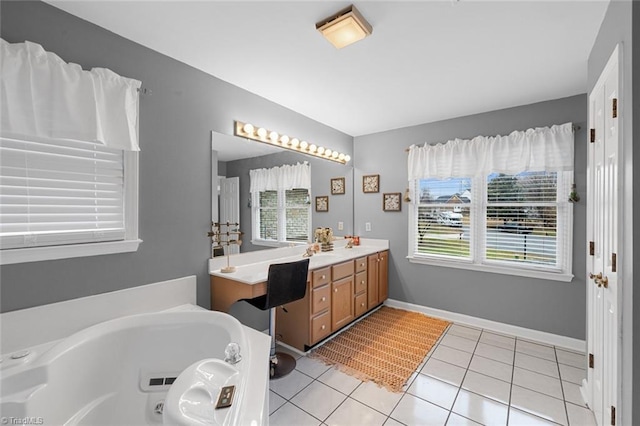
{"type": "Point", "coordinates": [590, 360]}
{"type": "Point", "coordinates": [613, 416]}
{"type": "Point", "coordinates": [592, 248]}
{"type": "Point", "coordinates": [614, 106]}
{"type": "Point", "coordinates": [592, 135]}
{"type": "Point", "coordinates": [614, 262]}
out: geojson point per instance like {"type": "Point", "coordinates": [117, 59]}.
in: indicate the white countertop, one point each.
{"type": "Point", "coordinates": [253, 267]}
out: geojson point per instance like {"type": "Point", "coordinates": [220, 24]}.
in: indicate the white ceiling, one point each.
{"type": "Point", "coordinates": [425, 61]}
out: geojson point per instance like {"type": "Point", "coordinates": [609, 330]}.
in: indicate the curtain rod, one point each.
{"type": "Point", "coordinates": [573, 127]}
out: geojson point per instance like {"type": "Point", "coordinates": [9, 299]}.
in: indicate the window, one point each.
{"type": "Point", "coordinates": [68, 158]}
{"type": "Point", "coordinates": [283, 216]}
{"type": "Point", "coordinates": [281, 204]}
{"type": "Point", "coordinates": [57, 196]}
{"type": "Point", "coordinates": [515, 222]}
{"type": "Point", "coordinates": [520, 220]}
{"type": "Point", "coordinates": [444, 218]}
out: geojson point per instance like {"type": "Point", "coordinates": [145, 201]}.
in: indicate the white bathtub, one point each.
{"type": "Point", "coordinates": [101, 375]}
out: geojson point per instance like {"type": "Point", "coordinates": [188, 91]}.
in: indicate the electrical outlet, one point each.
{"type": "Point", "coordinates": [340, 226]}
{"type": "Point", "coordinates": [367, 226]}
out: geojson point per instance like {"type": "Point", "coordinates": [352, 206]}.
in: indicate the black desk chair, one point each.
{"type": "Point", "coordinates": [286, 283]}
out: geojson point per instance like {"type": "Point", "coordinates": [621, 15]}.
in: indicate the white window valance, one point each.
{"type": "Point", "coordinates": [540, 149]}
{"type": "Point", "coordinates": [43, 97]}
{"type": "Point", "coordinates": [284, 177]}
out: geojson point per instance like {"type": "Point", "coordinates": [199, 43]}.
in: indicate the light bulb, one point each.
{"type": "Point", "coordinates": [335, 154]}
{"type": "Point", "coordinates": [320, 150]}
{"type": "Point", "coordinates": [274, 137]}
{"type": "Point", "coordinates": [262, 132]}
{"type": "Point", "coordinates": [312, 148]}
{"type": "Point", "coordinates": [328, 152]}
{"type": "Point", "coordinates": [304, 144]}
{"type": "Point", "coordinates": [248, 129]}
{"type": "Point", "coordinates": [347, 158]}
{"type": "Point", "coordinates": [295, 142]}
{"type": "Point", "coordinates": [284, 139]}
{"type": "Point", "coordinates": [341, 157]}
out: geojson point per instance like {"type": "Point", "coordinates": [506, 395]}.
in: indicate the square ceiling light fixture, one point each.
{"type": "Point", "coordinates": [345, 27]}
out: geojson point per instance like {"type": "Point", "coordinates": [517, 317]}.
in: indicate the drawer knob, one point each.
{"type": "Point", "coordinates": [362, 282]}
{"type": "Point", "coordinates": [324, 276]}
{"type": "Point", "coordinates": [335, 291]}
{"type": "Point", "coordinates": [323, 299]}
{"type": "Point", "coordinates": [362, 264]}
{"type": "Point", "coordinates": [362, 304]}
{"type": "Point", "coordinates": [323, 327]}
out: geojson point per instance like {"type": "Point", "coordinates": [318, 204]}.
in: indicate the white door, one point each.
{"type": "Point", "coordinates": [230, 207]}
{"type": "Point", "coordinates": [603, 337]}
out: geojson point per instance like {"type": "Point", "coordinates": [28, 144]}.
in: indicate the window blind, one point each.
{"type": "Point", "coordinates": [57, 192]}
{"type": "Point", "coordinates": [524, 218]}
{"type": "Point", "coordinates": [443, 217]}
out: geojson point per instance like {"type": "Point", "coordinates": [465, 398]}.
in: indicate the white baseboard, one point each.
{"type": "Point", "coordinates": [499, 327]}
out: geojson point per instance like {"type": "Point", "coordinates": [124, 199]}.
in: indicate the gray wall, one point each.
{"type": "Point", "coordinates": [340, 206]}
{"type": "Point", "coordinates": [551, 306]}
{"type": "Point", "coordinates": [632, 330]}
{"type": "Point", "coordinates": [175, 163]}
{"type": "Point", "coordinates": [617, 28]}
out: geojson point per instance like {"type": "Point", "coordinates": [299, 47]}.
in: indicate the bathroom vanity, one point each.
{"type": "Point", "coordinates": [342, 285]}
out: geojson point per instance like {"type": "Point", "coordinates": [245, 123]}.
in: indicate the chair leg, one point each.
{"type": "Point", "coordinates": [280, 364]}
{"type": "Point", "coordinates": [272, 331]}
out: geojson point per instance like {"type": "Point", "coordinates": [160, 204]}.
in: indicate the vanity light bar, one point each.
{"type": "Point", "coordinates": [260, 134]}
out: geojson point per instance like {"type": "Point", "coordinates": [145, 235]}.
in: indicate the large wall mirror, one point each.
{"type": "Point", "coordinates": [232, 159]}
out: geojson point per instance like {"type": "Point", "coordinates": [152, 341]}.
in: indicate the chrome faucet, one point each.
{"type": "Point", "coordinates": [309, 252]}
{"type": "Point", "coordinates": [232, 353]}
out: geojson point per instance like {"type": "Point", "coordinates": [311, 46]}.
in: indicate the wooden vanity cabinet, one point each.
{"type": "Point", "coordinates": [377, 278]}
{"type": "Point", "coordinates": [360, 304]}
{"type": "Point", "coordinates": [336, 295]}
{"type": "Point", "coordinates": [342, 312]}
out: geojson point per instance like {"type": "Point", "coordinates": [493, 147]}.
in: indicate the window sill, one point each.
{"type": "Point", "coordinates": [496, 269]}
{"type": "Point", "coordinates": [37, 254]}
{"type": "Point", "coordinates": [268, 243]}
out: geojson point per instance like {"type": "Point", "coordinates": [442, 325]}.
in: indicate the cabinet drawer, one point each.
{"type": "Point", "coordinates": [320, 299]}
{"type": "Point", "coordinates": [321, 277]}
{"type": "Point", "coordinates": [320, 327]}
{"type": "Point", "coordinates": [342, 270]}
{"type": "Point", "coordinates": [360, 284]}
{"type": "Point", "coordinates": [361, 264]}
{"type": "Point", "coordinates": [361, 304]}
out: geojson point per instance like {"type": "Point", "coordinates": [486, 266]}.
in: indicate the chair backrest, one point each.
{"type": "Point", "coordinates": [286, 282]}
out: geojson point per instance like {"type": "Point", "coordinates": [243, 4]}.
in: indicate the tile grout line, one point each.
{"type": "Point", "coordinates": [513, 373]}
{"type": "Point", "coordinates": [564, 400]}
{"type": "Point", "coordinates": [418, 369]}
{"type": "Point", "coordinates": [464, 376]}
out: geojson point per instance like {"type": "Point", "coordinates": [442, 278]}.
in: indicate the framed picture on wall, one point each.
{"type": "Point", "coordinates": [392, 202]}
{"type": "Point", "coordinates": [322, 203]}
{"type": "Point", "coordinates": [337, 186]}
{"type": "Point", "coordinates": [370, 183]}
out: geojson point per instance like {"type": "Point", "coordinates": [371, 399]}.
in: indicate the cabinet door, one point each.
{"type": "Point", "coordinates": [372, 281]}
{"type": "Point", "coordinates": [361, 304]}
{"type": "Point", "coordinates": [320, 327]}
{"type": "Point", "coordinates": [341, 303]}
{"type": "Point", "coordinates": [360, 284]}
{"type": "Point", "coordinates": [383, 276]}
{"type": "Point", "coordinates": [320, 299]}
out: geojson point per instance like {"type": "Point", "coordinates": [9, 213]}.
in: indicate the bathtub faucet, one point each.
{"type": "Point", "coordinates": [232, 353]}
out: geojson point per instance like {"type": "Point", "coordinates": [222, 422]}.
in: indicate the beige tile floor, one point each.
{"type": "Point", "coordinates": [472, 376]}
